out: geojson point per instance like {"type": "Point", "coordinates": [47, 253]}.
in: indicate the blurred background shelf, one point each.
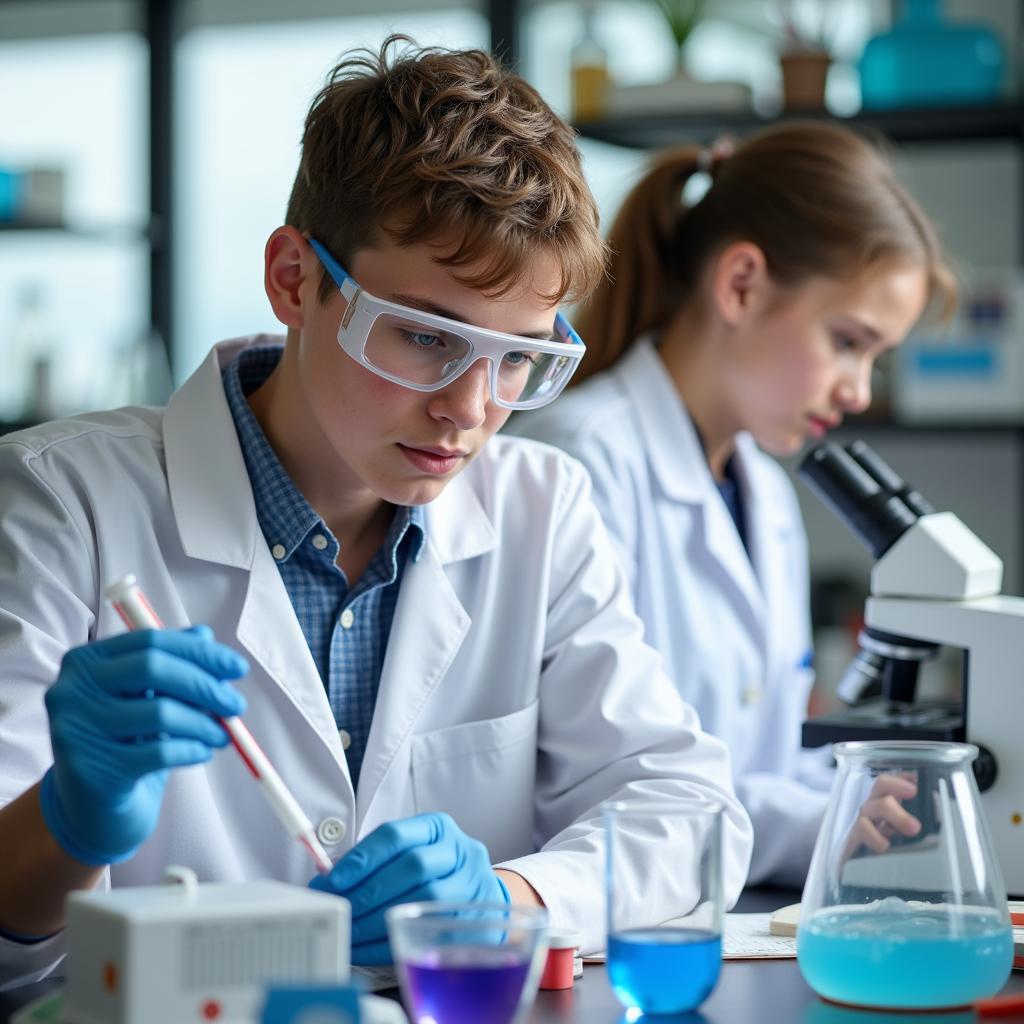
{"type": "Point", "coordinates": [10, 428]}
{"type": "Point", "coordinates": [88, 232]}
{"type": "Point", "coordinates": [935, 124]}
{"type": "Point", "coordinates": [872, 425]}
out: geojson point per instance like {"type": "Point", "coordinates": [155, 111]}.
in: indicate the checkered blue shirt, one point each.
{"type": "Point", "coordinates": [346, 627]}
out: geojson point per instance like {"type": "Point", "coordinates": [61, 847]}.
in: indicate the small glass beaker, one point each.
{"type": "Point", "coordinates": [463, 963]}
{"type": "Point", "coordinates": [904, 905]}
{"type": "Point", "coordinates": [655, 965]}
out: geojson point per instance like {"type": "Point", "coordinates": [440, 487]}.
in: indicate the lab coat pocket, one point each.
{"type": "Point", "coordinates": [482, 773]}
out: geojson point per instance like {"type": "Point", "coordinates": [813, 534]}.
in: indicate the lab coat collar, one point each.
{"type": "Point", "coordinates": [756, 474]}
{"type": "Point", "coordinates": [677, 459]}
{"type": "Point", "coordinates": [673, 444]}
{"type": "Point", "coordinates": [770, 521]}
{"type": "Point", "coordinates": [209, 486]}
{"type": "Point", "coordinates": [670, 439]}
{"type": "Point", "coordinates": [458, 527]}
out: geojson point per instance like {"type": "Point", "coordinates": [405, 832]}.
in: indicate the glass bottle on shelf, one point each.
{"type": "Point", "coordinates": [589, 71]}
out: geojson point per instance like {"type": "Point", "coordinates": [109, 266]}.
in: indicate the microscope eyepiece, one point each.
{"type": "Point", "coordinates": [876, 516]}
{"type": "Point", "coordinates": [889, 480]}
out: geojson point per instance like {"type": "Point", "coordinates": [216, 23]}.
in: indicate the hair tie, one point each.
{"type": "Point", "coordinates": [710, 158]}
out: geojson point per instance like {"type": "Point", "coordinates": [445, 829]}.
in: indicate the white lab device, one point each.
{"type": "Point", "coordinates": [184, 952]}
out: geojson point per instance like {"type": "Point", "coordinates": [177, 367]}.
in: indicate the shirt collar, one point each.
{"type": "Point", "coordinates": [285, 516]}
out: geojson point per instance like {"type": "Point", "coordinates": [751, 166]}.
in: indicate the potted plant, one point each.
{"type": "Point", "coordinates": [682, 17]}
{"type": "Point", "coordinates": [805, 56]}
{"type": "Point", "coordinates": [682, 91]}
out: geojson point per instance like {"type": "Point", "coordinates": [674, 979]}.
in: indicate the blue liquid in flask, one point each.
{"type": "Point", "coordinates": [466, 985]}
{"type": "Point", "coordinates": [664, 970]}
{"type": "Point", "coordinates": [894, 954]}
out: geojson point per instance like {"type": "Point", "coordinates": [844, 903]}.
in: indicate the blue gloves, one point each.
{"type": "Point", "coordinates": [122, 712]}
{"type": "Point", "coordinates": [427, 857]}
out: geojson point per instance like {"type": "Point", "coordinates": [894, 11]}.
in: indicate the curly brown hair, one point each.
{"type": "Point", "coordinates": [430, 144]}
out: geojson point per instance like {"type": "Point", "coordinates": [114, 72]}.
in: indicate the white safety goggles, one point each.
{"type": "Point", "coordinates": [426, 352]}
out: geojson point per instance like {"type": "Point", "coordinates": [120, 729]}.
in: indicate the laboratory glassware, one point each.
{"type": "Point", "coordinates": [658, 965]}
{"type": "Point", "coordinates": [463, 963]}
{"type": "Point", "coordinates": [904, 905]}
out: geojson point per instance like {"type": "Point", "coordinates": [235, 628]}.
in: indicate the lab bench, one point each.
{"type": "Point", "coordinates": [748, 992]}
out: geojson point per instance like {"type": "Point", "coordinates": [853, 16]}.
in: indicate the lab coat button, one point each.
{"type": "Point", "coordinates": [319, 542]}
{"type": "Point", "coordinates": [330, 831]}
{"type": "Point", "coordinates": [346, 738]}
{"type": "Point", "coordinates": [752, 694]}
{"type": "Point", "coordinates": [347, 618]}
{"type": "Point", "coordinates": [278, 551]}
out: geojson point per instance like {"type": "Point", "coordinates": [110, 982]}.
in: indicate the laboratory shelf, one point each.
{"type": "Point", "coordinates": [91, 232]}
{"type": "Point", "coordinates": [920, 124]}
{"type": "Point", "coordinates": [8, 427]}
{"type": "Point", "coordinates": [877, 425]}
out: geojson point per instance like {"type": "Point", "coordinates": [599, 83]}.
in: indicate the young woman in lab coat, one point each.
{"type": "Point", "coordinates": [422, 624]}
{"type": "Point", "coordinates": [750, 319]}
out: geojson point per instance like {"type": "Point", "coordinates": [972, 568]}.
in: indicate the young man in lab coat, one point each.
{"type": "Point", "coordinates": [422, 624]}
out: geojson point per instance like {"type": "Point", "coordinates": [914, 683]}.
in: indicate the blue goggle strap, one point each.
{"type": "Point", "coordinates": [565, 330]}
{"type": "Point", "coordinates": [346, 284]}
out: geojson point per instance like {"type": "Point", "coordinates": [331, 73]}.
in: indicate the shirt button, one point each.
{"type": "Point", "coordinates": [346, 738]}
{"type": "Point", "coordinates": [330, 831]}
{"type": "Point", "coordinates": [278, 551]}
{"type": "Point", "coordinates": [319, 541]}
{"type": "Point", "coordinates": [347, 618]}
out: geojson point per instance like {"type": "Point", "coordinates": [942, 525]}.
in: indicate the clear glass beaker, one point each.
{"type": "Point", "coordinates": [904, 904]}
{"type": "Point", "coordinates": [655, 965]}
{"type": "Point", "coordinates": [464, 963]}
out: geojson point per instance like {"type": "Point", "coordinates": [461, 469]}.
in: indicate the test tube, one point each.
{"type": "Point", "coordinates": [136, 612]}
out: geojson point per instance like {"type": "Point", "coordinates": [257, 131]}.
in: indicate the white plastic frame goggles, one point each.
{"type": "Point", "coordinates": [426, 352]}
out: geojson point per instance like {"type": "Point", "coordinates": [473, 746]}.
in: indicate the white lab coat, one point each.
{"type": "Point", "coordinates": [516, 693]}
{"type": "Point", "coordinates": [733, 629]}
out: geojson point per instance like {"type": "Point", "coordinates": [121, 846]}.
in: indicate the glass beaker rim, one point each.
{"type": "Point", "coordinates": [432, 914]}
{"type": "Point", "coordinates": [905, 751]}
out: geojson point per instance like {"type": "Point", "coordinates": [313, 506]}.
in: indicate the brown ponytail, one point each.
{"type": "Point", "coordinates": [815, 198]}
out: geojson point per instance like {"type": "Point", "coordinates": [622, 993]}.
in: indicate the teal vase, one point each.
{"type": "Point", "coordinates": [926, 61]}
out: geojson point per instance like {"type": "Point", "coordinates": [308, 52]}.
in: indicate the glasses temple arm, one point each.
{"type": "Point", "coordinates": [341, 277]}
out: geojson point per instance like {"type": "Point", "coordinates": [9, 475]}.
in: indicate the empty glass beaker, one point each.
{"type": "Point", "coordinates": [656, 965]}
{"type": "Point", "coordinates": [904, 904]}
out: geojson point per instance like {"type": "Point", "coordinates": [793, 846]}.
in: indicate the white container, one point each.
{"type": "Point", "coordinates": [174, 954]}
{"type": "Point", "coordinates": [972, 369]}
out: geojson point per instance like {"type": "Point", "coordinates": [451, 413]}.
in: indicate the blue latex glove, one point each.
{"type": "Point", "coordinates": [122, 712]}
{"type": "Point", "coordinates": [427, 857]}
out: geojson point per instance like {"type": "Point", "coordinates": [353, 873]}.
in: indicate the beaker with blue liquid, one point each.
{"type": "Point", "coordinates": [904, 905]}
{"type": "Point", "coordinates": [465, 963]}
{"type": "Point", "coordinates": [664, 959]}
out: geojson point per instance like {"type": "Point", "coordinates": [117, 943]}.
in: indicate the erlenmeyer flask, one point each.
{"type": "Point", "coordinates": [904, 904]}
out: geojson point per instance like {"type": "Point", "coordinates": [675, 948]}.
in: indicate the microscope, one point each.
{"type": "Point", "coordinates": [934, 583]}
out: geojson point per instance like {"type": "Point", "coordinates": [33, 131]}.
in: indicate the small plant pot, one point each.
{"type": "Point", "coordinates": [803, 79]}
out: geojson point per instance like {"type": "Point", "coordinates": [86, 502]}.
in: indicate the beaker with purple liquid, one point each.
{"type": "Point", "coordinates": [463, 963]}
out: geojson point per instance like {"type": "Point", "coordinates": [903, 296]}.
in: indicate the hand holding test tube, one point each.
{"type": "Point", "coordinates": [137, 613]}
